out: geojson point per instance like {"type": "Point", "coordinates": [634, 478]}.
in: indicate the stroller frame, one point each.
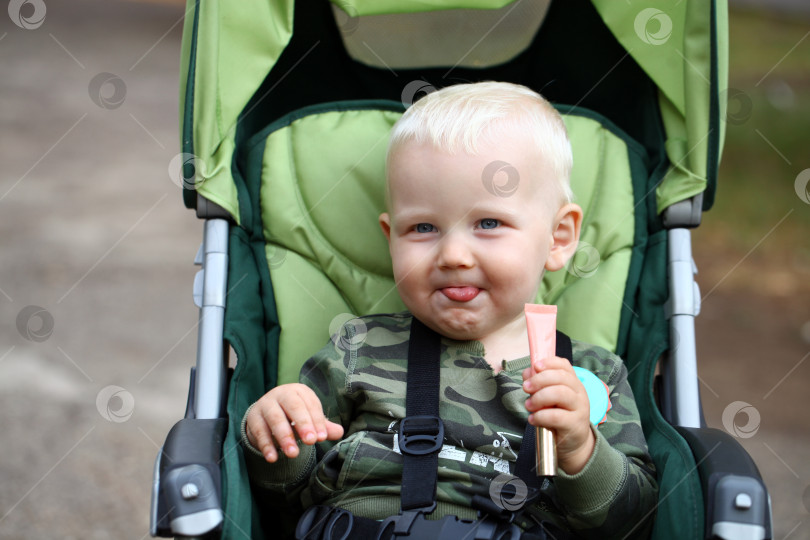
{"type": "Point", "coordinates": [738, 503]}
{"type": "Point", "coordinates": [186, 494]}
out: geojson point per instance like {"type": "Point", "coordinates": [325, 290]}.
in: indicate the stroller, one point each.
{"type": "Point", "coordinates": [286, 109]}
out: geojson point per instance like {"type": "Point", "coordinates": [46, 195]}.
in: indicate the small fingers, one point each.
{"type": "Point", "coordinates": [306, 413]}
{"type": "Point", "coordinates": [319, 431]}
{"type": "Point", "coordinates": [552, 362]}
{"type": "Point", "coordinates": [556, 396]}
{"type": "Point", "coordinates": [548, 377]}
{"type": "Point", "coordinates": [551, 418]}
{"type": "Point", "coordinates": [333, 431]}
{"type": "Point", "coordinates": [258, 433]}
{"type": "Point", "coordinates": [282, 414]}
{"type": "Point", "coordinates": [280, 430]}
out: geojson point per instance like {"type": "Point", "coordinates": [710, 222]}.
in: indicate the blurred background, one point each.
{"type": "Point", "coordinates": [97, 327]}
{"type": "Point", "coordinates": [753, 254]}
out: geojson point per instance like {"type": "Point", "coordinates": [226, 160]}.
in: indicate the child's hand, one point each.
{"type": "Point", "coordinates": [270, 422]}
{"type": "Point", "coordinates": [558, 401]}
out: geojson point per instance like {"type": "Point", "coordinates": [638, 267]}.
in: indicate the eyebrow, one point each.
{"type": "Point", "coordinates": [490, 208]}
{"type": "Point", "coordinates": [480, 209]}
{"type": "Point", "coordinates": [410, 215]}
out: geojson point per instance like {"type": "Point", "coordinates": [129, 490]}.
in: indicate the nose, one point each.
{"type": "Point", "coordinates": [455, 252]}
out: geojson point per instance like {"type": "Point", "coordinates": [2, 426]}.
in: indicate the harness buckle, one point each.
{"type": "Point", "coordinates": [420, 435]}
{"type": "Point", "coordinates": [324, 522]}
{"type": "Point", "coordinates": [400, 525]}
{"type": "Point", "coordinates": [333, 527]}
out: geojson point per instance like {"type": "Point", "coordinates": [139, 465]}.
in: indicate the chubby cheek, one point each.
{"type": "Point", "coordinates": [405, 286]}
{"type": "Point", "coordinates": [519, 277]}
{"type": "Point", "coordinates": [413, 293]}
{"type": "Point", "coordinates": [409, 272]}
{"type": "Point", "coordinates": [408, 257]}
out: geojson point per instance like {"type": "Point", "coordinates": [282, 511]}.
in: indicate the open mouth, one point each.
{"type": "Point", "coordinates": [461, 294]}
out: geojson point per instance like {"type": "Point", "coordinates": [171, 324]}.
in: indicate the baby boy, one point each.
{"type": "Point", "coordinates": [478, 208]}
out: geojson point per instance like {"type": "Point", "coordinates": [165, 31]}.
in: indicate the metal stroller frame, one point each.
{"type": "Point", "coordinates": [186, 497]}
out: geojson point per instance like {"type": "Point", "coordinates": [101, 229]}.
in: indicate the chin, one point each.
{"type": "Point", "coordinates": [458, 328]}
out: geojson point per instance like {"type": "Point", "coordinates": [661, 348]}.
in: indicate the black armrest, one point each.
{"type": "Point", "coordinates": [737, 501]}
{"type": "Point", "coordinates": [187, 484]}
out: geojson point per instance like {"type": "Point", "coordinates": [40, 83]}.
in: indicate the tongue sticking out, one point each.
{"type": "Point", "coordinates": [461, 294]}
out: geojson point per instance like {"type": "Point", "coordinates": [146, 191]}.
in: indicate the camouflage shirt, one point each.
{"type": "Point", "coordinates": [360, 379]}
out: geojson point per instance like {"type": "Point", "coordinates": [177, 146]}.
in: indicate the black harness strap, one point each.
{"type": "Point", "coordinates": [526, 465]}
{"type": "Point", "coordinates": [421, 432]}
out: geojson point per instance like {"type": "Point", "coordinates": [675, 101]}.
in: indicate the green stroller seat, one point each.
{"type": "Point", "coordinates": [287, 107]}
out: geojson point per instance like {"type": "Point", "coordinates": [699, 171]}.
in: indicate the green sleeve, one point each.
{"type": "Point", "coordinates": [325, 373]}
{"type": "Point", "coordinates": [284, 477]}
{"type": "Point", "coordinates": [615, 494]}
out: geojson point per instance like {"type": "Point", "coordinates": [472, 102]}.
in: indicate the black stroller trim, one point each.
{"type": "Point", "coordinates": [735, 495]}
{"type": "Point", "coordinates": [187, 143]}
{"type": "Point", "coordinates": [186, 497]}
{"type": "Point", "coordinates": [713, 161]}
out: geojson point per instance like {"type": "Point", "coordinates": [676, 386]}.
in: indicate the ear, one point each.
{"type": "Point", "coordinates": [385, 225]}
{"type": "Point", "coordinates": [564, 236]}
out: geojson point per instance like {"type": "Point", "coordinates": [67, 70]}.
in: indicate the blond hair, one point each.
{"type": "Point", "coordinates": [457, 117]}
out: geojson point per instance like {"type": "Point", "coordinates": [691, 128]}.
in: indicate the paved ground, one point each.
{"type": "Point", "coordinates": [93, 231]}
{"type": "Point", "coordinates": [97, 329]}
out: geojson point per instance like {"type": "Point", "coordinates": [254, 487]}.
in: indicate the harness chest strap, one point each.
{"type": "Point", "coordinates": [421, 432]}
{"type": "Point", "coordinates": [421, 437]}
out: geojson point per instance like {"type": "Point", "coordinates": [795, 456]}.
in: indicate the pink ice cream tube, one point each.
{"type": "Point", "coordinates": [541, 323]}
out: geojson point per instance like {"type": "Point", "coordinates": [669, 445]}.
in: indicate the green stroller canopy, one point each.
{"type": "Point", "coordinates": [681, 46]}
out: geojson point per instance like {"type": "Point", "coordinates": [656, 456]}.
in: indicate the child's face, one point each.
{"type": "Point", "coordinates": [469, 250]}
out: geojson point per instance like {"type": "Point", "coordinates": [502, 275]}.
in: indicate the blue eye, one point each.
{"type": "Point", "coordinates": [424, 228]}
{"type": "Point", "coordinates": [489, 223]}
